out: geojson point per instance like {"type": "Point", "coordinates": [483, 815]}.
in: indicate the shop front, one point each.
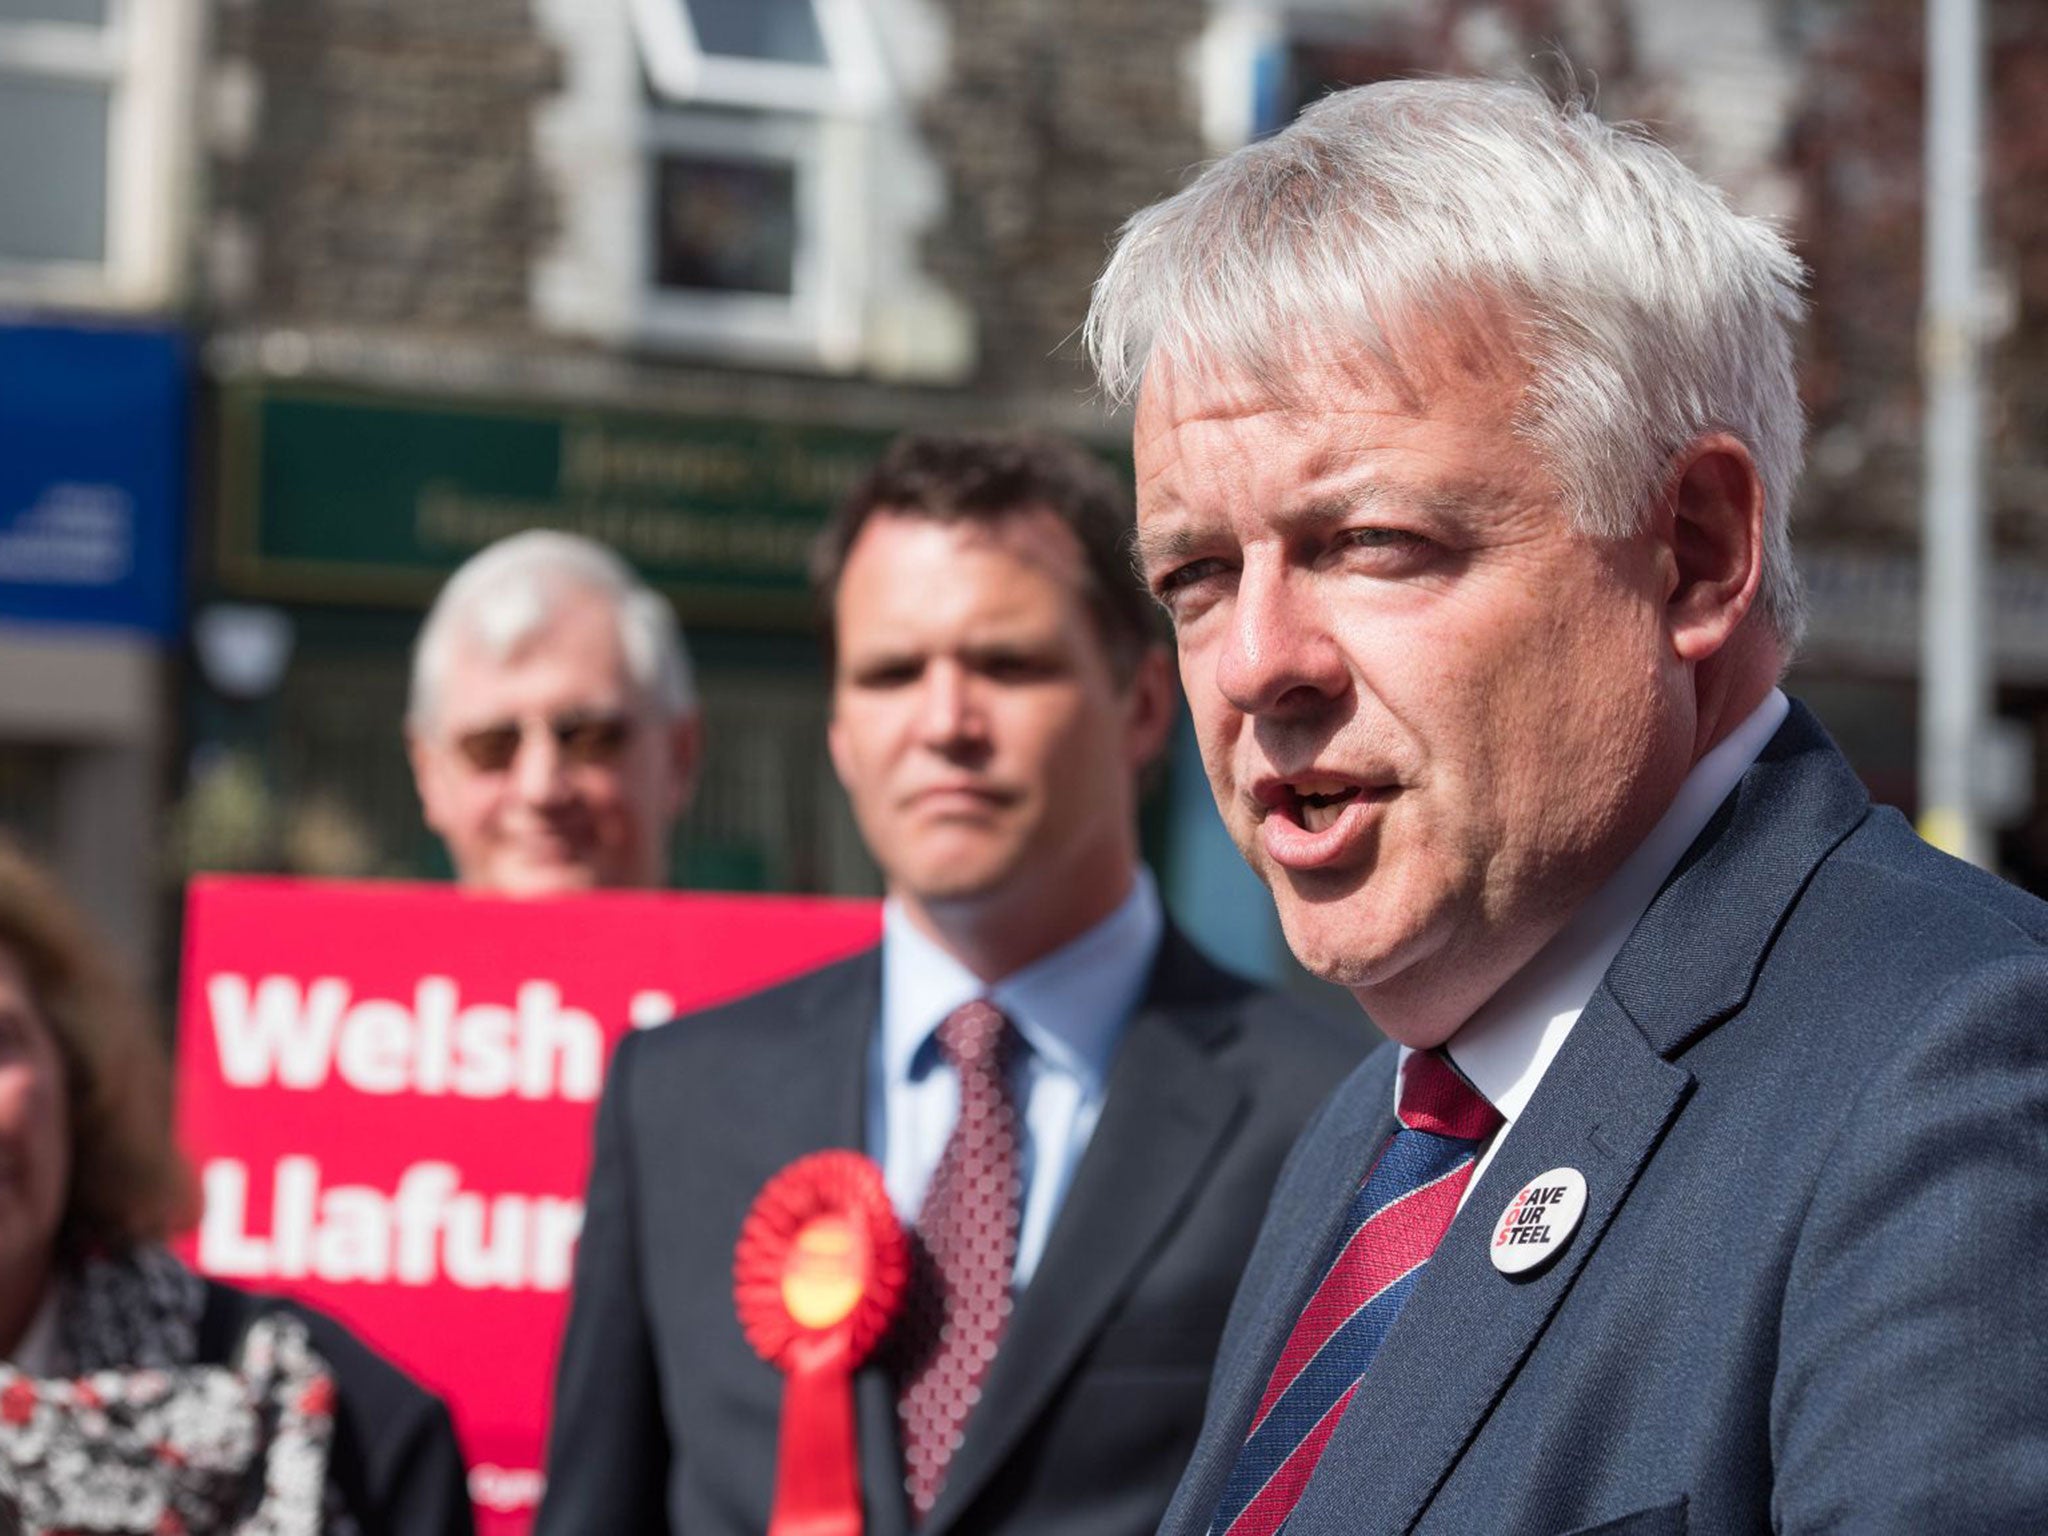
{"type": "Point", "coordinates": [93, 503]}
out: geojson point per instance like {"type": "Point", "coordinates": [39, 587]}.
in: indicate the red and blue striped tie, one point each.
{"type": "Point", "coordinates": [1393, 1225]}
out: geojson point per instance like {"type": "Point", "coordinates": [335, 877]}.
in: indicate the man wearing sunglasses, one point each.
{"type": "Point", "coordinates": [552, 723]}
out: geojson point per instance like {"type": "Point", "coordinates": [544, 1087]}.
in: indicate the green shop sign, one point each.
{"type": "Point", "coordinates": [338, 497]}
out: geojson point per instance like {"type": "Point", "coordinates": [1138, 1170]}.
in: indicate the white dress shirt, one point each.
{"type": "Point", "coordinates": [1070, 1007]}
{"type": "Point", "coordinates": [1509, 1042]}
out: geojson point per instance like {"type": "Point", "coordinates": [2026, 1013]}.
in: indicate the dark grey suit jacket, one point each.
{"type": "Point", "coordinates": [1810, 1101]}
{"type": "Point", "coordinates": [665, 1420]}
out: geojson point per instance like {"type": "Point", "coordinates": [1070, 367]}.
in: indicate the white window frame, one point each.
{"type": "Point", "coordinates": [1239, 41]}
{"type": "Point", "coordinates": [851, 81]}
{"type": "Point", "coordinates": [818, 322]}
{"type": "Point", "coordinates": [867, 193]}
{"type": "Point", "coordinates": [145, 57]}
{"type": "Point", "coordinates": [1245, 39]}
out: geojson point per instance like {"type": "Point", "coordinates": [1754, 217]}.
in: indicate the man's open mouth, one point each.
{"type": "Point", "coordinates": [1318, 810]}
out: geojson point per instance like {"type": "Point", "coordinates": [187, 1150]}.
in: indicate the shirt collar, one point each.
{"type": "Point", "coordinates": [1507, 1045]}
{"type": "Point", "coordinates": [1070, 1006]}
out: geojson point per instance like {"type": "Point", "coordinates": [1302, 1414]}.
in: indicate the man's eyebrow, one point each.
{"type": "Point", "coordinates": [1335, 506]}
{"type": "Point", "coordinates": [1154, 547]}
{"type": "Point", "coordinates": [878, 657]}
{"type": "Point", "coordinates": [1375, 498]}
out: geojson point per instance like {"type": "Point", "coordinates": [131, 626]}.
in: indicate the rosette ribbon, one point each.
{"type": "Point", "coordinates": [818, 1277]}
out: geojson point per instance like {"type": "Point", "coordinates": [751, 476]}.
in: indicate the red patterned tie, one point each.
{"type": "Point", "coordinates": [968, 1235]}
{"type": "Point", "coordinates": [1395, 1220]}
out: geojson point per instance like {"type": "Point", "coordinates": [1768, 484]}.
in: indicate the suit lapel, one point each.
{"type": "Point", "coordinates": [833, 1053]}
{"type": "Point", "coordinates": [1602, 1108]}
{"type": "Point", "coordinates": [1693, 959]}
{"type": "Point", "coordinates": [833, 1059]}
{"type": "Point", "coordinates": [1168, 1110]}
{"type": "Point", "coordinates": [1603, 1105]}
{"type": "Point", "coordinates": [1276, 1289]}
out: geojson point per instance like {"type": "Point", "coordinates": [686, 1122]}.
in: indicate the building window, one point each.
{"type": "Point", "coordinates": [749, 247]}
{"type": "Point", "coordinates": [94, 103]}
{"type": "Point", "coordinates": [742, 180]}
{"type": "Point", "coordinates": [801, 56]}
{"type": "Point", "coordinates": [724, 224]}
{"type": "Point", "coordinates": [1261, 65]}
{"type": "Point", "coordinates": [756, 145]}
{"type": "Point", "coordinates": [1262, 62]}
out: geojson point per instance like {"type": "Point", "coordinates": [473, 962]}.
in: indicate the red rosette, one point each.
{"type": "Point", "coordinates": [821, 1258]}
{"type": "Point", "coordinates": [818, 1276]}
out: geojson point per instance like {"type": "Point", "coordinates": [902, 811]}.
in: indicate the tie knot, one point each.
{"type": "Point", "coordinates": [975, 1037]}
{"type": "Point", "coordinates": [1435, 1099]}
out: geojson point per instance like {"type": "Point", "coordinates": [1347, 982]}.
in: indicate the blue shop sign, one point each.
{"type": "Point", "coordinates": [92, 475]}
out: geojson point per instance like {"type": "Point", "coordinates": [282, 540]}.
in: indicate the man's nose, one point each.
{"type": "Point", "coordinates": [539, 773]}
{"type": "Point", "coordinates": [948, 710]}
{"type": "Point", "coordinates": [1278, 655]}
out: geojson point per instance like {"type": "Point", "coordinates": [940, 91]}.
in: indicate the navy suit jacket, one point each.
{"type": "Point", "coordinates": [1810, 1102]}
{"type": "Point", "coordinates": [665, 1420]}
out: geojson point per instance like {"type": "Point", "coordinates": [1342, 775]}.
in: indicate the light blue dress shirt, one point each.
{"type": "Point", "coordinates": [1071, 1008]}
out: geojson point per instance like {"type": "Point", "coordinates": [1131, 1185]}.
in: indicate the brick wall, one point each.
{"type": "Point", "coordinates": [1061, 117]}
{"type": "Point", "coordinates": [388, 178]}
{"type": "Point", "coordinates": [388, 181]}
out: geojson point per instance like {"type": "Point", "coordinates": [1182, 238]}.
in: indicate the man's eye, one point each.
{"type": "Point", "coordinates": [899, 674]}
{"type": "Point", "coordinates": [1018, 669]}
{"type": "Point", "coordinates": [1182, 577]}
{"type": "Point", "coordinates": [1380, 538]}
{"type": "Point", "coordinates": [595, 741]}
{"type": "Point", "coordinates": [490, 748]}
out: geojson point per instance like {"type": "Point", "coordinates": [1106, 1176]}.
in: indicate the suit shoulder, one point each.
{"type": "Point", "coordinates": [1338, 1036]}
{"type": "Point", "coordinates": [1264, 1024]}
{"type": "Point", "coordinates": [1891, 945]}
{"type": "Point", "coordinates": [1931, 910]}
{"type": "Point", "coordinates": [826, 995]}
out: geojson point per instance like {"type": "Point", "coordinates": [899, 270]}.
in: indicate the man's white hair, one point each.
{"type": "Point", "coordinates": [508, 591]}
{"type": "Point", "coordinates": [1646, 309]}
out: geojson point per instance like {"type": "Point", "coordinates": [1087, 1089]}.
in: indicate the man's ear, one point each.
{"type": "Point", "coordinates": [1714, 526]}
{"type": "Point", "coordinates": [1149, 706]}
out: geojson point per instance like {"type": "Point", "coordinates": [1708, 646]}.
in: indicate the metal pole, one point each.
{"type": "Point", "coordinates": [1955, 674]}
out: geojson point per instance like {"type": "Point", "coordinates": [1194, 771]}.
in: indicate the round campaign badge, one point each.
{"type": "Point", "coordinates": [1539, 1221]}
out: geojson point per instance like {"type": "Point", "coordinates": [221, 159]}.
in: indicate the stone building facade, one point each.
{"type": "Point", "coordinates": [671, 270]}
{"type": "Point", "coordinates": [453, 212]}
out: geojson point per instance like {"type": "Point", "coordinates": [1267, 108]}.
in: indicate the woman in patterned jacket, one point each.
{"type": "Point", "coordinates": [135, 1396]}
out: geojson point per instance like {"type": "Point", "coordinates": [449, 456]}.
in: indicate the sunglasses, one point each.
{"type": "Point", "coordinates": [584, 741]}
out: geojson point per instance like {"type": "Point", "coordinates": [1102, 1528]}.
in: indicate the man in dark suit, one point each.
{"type": "Point", "coordinates": [1701, 1184]}
{"type": "Point", "coordinates": [998, 689]}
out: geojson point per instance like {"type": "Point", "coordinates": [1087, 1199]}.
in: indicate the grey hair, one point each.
{"type": "Point", "coordinates": [1647, 311]}
{"type": "Point", "coordinates": [508, 591]}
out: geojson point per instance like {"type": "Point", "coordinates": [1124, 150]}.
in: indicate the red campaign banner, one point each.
{"type": "Point", "coordinates": [388, 1091]}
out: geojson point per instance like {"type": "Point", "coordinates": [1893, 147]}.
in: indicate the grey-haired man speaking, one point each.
{"type": "Point", "coordinates": [1701, 1188]}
